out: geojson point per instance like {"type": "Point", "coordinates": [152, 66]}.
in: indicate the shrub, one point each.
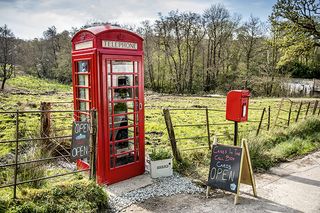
{"type": "Point", "coordinates": [159, 154]}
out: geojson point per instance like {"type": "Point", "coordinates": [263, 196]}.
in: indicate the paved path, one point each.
{"type": "Point", "coordinates": [291, 187]}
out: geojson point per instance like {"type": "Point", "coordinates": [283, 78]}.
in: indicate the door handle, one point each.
{"type": "Point", "coordinates": [140, 106]}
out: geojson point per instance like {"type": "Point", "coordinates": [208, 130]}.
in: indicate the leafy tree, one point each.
{"type": "Point", "coordinates": [7, 54]}
{"type": "Point", "coordinates": [300, 15]}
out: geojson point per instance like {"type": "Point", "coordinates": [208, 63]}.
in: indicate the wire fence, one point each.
{"type": "Point", "coordinates": [40, 137]}
{"type": "Point", "coordinates": [288, 112]}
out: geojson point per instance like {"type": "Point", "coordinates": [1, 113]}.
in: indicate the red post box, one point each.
{"type": "Point", "coordinates": [237, 105]}
{"type": "Point", "coordinates": [107, 71]}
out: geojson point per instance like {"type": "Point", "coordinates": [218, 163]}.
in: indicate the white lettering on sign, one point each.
{"type": "Point", "coordinates": [119, 45]}
{"type": "Point", "coordinates": [82, 127]}
{"type": "Point", "coordinates": [80, 151]}
{"type": "Point", "coordinates": [83, 45]}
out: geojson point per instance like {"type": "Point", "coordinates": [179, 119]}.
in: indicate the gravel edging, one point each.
{"type": "Point", "coordinates": [165, 186]}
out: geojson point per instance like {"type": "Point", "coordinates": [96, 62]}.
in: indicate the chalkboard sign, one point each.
{"type": "Point", "coordinates": [80, 140]}
{"type": "Point", "coordinates": [225, 167]}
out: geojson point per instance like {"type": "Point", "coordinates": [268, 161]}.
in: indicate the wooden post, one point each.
{"type": "Point", "coordinates": [16, 157]}
{"type": "Point", "coordinates": [93, 144]}
{"type": "Point", "coordinates": [307, 110]}
{"type": "Point", "coordinates": [269, 117]}
{"type": "Point", "coordinates": [300, 106]}
{"type": "Point", "coordinates": [289, 115]}
{"type": "Point", "coordinates": [260, 123]}
{"type": "Point", "coordinates": [171, 134]}
{"type": "Point", "coordinates": [45, 120]}
{"type": "Point", "coordinates": [315, 107]}
{"type": "Point", "coordinates": [208, 127]}
{"type": "Point", "coordinates": [275, 121]}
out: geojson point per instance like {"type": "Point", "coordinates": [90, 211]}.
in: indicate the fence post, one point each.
{"type": "Point", "coordinates": [45, 120]}
{"type": "Point", "coordinates": [260, 123]}
{"type": "Point", "coordinates": [269, 117]}
{"type": "Point", "coordinates": [289, 115]}
{"type": "Point", "coordinates": [208, 127]}
{"type": "Point", "coordinates": [16, 156]}
{"type": "Point", "coordinates": [93, 144]}
{"type": "Point", "coordinates": [278, 113]}
{"type": "Point", "coordinates": [315, 107]}
{"type": "Point", "coordinates": [307, 110]}
{"type": "Point", "coordinates": [300, 106]}
{"type": "Point", "coordinates": [171, 134]}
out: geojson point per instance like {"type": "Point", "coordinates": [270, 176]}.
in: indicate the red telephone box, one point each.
{"type": "Point", "coordinates": [237, 105]}
{"type": "Point", "coordinates": [107, 70]}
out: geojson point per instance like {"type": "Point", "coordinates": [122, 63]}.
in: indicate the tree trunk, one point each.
{"type": "Point", "coordinates": [3, 83]}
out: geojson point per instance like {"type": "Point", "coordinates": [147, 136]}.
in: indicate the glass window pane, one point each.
{"type": "Point", "coordinates": [123, 93]}
{"type": "Point", "coordinates": [120, 108]}
{"type": "Point", "coordinates": [135, 66]}
{"type": "Point", "coordinates": [83, 66]}
{"type": "Point", "coordinates": [84, 117]}
{"type": "Point", "coordinates": [122, 80]}
{"type": "Point", "coordinates": [84, 105]}
{"type": "Point", "coordinates": [83, 80]}
{"type": "Point", "coordinates": [122, 66]}
{"type": "Point", "coordinates": [125, 159]}
{"type": "Point", "coordinates": [136, 80]}
{"type": "Point", "coordinates": [84, 93]}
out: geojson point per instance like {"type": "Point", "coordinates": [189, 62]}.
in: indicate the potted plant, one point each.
{"type": "Point", "coordinates": [160, 163]}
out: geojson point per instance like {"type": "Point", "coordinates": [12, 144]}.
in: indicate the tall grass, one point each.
{"type": "Point", "coordinates": [278, 146]}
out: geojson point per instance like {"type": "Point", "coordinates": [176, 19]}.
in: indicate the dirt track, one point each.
{"type": "Point", "coordinates": [291, 187]}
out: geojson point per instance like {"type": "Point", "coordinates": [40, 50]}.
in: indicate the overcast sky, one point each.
{"type": "Point", "coordinates": [29, 18]}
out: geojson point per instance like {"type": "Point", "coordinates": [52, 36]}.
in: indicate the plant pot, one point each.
{"type": "Point", "coordinates": [161, 168]}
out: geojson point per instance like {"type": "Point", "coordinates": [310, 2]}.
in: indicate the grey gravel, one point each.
{"type": "Point", "coordinates": [165, 186]}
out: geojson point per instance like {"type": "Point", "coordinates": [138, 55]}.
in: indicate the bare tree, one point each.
{"type": "Point", "coordinates": [7, 54]}
{"type": "Point", "coordinates": [220, 27]}
{"type": "Point", "coordinates": [249, 37]}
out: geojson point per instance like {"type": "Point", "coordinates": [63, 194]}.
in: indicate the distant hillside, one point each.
{"type": "Point", "coordinates": [26, 92]}
{"type": "Point", "coordinates": [31, 84]}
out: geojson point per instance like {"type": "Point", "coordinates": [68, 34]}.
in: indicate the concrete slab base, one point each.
{"type": "Point", "coordinates": [131, 184]}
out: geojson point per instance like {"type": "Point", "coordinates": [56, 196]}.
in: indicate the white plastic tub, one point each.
{"type": "Point", "coordinates": [161, 168]}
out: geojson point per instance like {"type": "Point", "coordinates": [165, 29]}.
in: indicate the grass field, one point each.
{"type": "Point", "coordinates": [26, 92]}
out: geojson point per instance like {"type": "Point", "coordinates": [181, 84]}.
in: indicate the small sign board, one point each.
{"type": "Point", "coordinates": [225, 167]}
{"type": "Point", "coordinates": [80, 140]}
{"type": "Point", "coordinates": [230, 166]}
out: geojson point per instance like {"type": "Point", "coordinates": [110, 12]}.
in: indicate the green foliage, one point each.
{"type": "Point", "coordinates": [68, 196]}
{"type": "Point", "coordinates": [276, 146]}
{"type": "Point", "coordinates": [159, 154]}
{"type": "Point", "coordinates": [300, 70]}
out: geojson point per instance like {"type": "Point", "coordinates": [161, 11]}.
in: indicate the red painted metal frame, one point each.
{"type": "Point", "coordinates": [98, 95]}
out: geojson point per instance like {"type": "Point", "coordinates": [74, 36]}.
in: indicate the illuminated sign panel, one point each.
{"type": "Point", "coordinates": [119, 45]}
